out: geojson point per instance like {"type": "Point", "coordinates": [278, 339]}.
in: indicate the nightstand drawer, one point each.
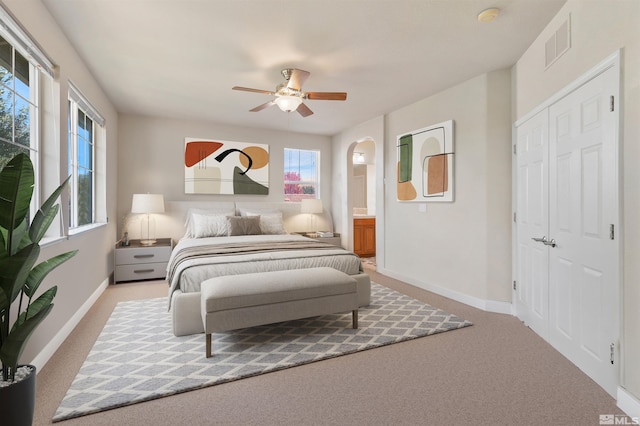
{"type": "Point", "coordinates": [129, 256]}
{"type": "Point", "coordinates": [143, 271]}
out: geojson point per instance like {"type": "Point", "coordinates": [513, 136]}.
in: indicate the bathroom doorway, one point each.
{"type": "Point", "coordinates": [363, 193]}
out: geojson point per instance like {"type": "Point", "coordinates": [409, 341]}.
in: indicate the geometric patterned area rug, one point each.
{"type": "Point", "coordinates": [137, 358]}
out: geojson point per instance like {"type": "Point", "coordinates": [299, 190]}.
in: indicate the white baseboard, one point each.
{"type": "Point", "coordinates": [485, 305]}
{"type": "Point", "coordinates": [47, 352]}
{"type": "Point", "coordinates": [629, 404]}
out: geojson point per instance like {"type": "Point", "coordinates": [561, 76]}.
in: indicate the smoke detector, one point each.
{"type": "Point", "coordinates": [488, 15]}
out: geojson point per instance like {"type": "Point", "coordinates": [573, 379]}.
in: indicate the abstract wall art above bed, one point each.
{"type": "Point", "coordinates": [223, 167]}
{"type": "Point", "coordinates": [425, 164]}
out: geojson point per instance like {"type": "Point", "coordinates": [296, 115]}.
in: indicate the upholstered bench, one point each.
{"type": "Point", "coordinates": [239, 301]}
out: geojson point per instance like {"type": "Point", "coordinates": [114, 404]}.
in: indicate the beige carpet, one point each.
{"type": "Point", "coordinates": [137, 358]}
{"type": "Point", "coordinates": [497, 372]}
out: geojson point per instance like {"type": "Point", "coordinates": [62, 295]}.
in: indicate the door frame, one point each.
{"type": "Point", "coordinates": [612, 61]}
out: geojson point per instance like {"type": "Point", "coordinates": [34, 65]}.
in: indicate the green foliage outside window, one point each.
{"type": "Point", "coordinates": [15, 107]}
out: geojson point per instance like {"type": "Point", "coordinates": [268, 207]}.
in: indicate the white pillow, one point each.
{"type": "Point", "coordinates": [270, 223]}
{"type": "Point", "coordinates": [189, 223]}
{"type": "Point", "coordinates": [209, 225]}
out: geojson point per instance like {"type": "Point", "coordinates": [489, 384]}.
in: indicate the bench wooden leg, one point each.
{"type": "Point", "coordinates": [208, 345]}
{"type": "Point", "coordinates": [354, 318]}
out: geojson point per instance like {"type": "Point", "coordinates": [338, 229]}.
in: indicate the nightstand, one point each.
{"type": "Point", "coordinates": [137, 262]}
{"type": "Point", "coordinates": [335, 240]}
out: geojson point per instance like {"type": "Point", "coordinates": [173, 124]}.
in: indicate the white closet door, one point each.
{"type": "Point", "coordinates": [583, 275]}
{"type": "Point", "coordinates": [531, 293]}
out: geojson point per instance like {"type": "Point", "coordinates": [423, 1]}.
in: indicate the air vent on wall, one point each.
{"type": "Point", "coordinates": [558, 43]}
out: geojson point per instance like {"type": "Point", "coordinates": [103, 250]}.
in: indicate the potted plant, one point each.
{"type": "Point", "coordinates": [20, 278]}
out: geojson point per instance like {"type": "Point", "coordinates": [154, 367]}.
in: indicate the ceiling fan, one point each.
{"type": "Point", "coordinates": [289, 95]}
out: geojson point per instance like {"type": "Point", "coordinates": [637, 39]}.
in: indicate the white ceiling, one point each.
{"type": "Point", "coordinates": [180, 58]}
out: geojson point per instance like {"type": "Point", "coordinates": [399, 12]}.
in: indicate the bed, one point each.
{"type": "Point", "coordinates": [263, 239]}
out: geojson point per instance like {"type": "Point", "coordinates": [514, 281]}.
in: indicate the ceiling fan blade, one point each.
{"type": "Point", "coordinates": [248, 89]}
{"type": "Point", "coordinates": [304, 110]}
{"type": "Point", "coordinates": [297, 79]}
{"type": "Point", "coordinates": [326, 96]}
{"type": "Point", "coordinates": [263, 106]}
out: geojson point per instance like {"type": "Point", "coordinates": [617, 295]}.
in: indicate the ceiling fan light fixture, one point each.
{"type": "Point", "coordinates": [288, 103]}
{"type": "Point", "coordinates": [289, 95]}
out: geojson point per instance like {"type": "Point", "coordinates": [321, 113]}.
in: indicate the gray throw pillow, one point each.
{"type": "Point", "coordinates": [243, 225]}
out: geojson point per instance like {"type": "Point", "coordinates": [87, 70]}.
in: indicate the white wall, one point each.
{"type": "Point", "coordinates": [461, 247]}
{"type": "Point", "coordinates": [424, 248]}
{"type": "Point", "coordinates": [151, 159]}
{"type": "Point", "coordinates": [81, 277]}
{"type": "Point", "coordinates": [598, 28]}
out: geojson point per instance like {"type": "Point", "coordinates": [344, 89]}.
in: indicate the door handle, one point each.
{"type": "Point", "coordinates": [544, 241]}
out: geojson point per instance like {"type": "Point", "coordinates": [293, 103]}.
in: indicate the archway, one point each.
{"type": "Point", "coordinates": [362, 198]}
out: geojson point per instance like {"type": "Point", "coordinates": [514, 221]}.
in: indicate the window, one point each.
{"type": "Point", "coordinates": [23, 71]}
{"type": "Point", "coordinates": [18, 105]}
{"type": "Point", "coordinates": [81, 155]}
{"type": "Point", "coordinates": [301, 174]}
{"type": "Point", "coordinates": [84, 123]}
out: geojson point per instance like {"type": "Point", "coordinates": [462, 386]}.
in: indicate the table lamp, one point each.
{"type": "Point", "coordinates": [311, 206]}
{"type": "Point", "coordinates": [148, 204]}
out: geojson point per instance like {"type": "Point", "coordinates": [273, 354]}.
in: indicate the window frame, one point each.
{"type": "Point", "coordinates": [33, 102]}
{"type": "Point", "coordinates": [288, 168]}
{"type": "Point", "coordinates": [77, 101]}
{"type": "Point", "coordinates": [40, 66]}
{"type": "Point", "coordinates": [13, 32]}
{"type": "Point", "coordinates": [73, 140]}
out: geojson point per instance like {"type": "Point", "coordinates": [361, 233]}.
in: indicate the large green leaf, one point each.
{"type": "Point", "coordinates": [45, 215]}
{"type": "Point", "coordinates": [54, 195]}
{"type": "Point", "coordinates": [4, 303]}
{"type": "Point", "coordinates": [14, 344]}
{"type": "Point", "coordinates": [41, 223]}
{"type": "Point", "coordinates": [36, 306]}
{"type": "Point", "coordinates": [19, 237]}
{"type": "Point", "coordinates": [16, 187]}
{"type": "Point", "coordinates": [39, 273]}
{"type": "Point", "coordinates": [3, 239]}
{"type": "Point", "coordinates": [15, 269]}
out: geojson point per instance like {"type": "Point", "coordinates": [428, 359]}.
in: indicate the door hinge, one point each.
{"type": "Point", "coordinates": [612, 349]}
{"type": "Point", "coordinates": [611, 104]}
{"type": "Point", "coordinates": [515, 150]}
{"type": "Point", "coordinates": [514, 217]}
{"type": "Point", "coordinates": [514, 284]}
{"type": "Point", "coordinates": [612, 233]}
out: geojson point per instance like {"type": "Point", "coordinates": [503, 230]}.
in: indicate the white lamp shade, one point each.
{"type": "Point", "coordinates": [288, 103]}
{"type": "Point", "coordinates": [311, 205]}
{"type": "Point", "coordinates": [147, 203]}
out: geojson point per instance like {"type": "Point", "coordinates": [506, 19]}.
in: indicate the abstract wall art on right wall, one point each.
{"type": "Point", "coordinates": [425, 164]}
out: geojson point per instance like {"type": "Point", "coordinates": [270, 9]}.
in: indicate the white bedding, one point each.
{"type": "Point", "coordinates": [187, 274]}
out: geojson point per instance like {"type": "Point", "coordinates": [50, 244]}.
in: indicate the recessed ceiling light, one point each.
{"type": "Point", "coordinates": [488, 15]}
